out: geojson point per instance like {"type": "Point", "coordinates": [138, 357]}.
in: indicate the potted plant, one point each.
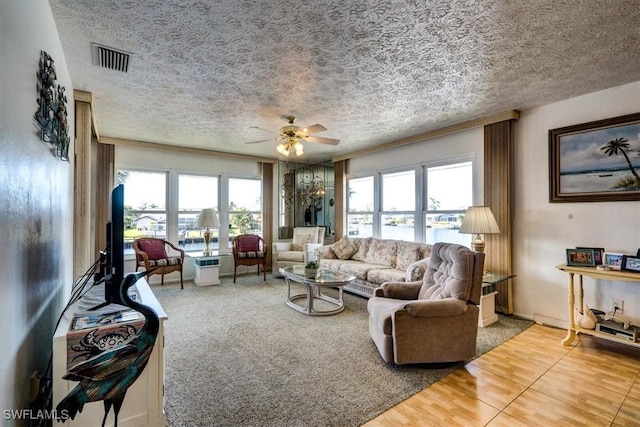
{"type": "Point", "coordinates": [311, 268]}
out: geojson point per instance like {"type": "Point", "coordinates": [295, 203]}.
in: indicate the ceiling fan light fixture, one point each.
{"type": "Point", "coordinates": [285, 147]}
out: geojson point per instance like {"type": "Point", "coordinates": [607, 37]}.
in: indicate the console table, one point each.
{"type": "Point", "coordinates": [144, 402]}
{"type": "Point", "coordinates": [593, 272]}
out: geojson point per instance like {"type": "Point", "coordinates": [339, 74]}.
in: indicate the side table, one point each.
{"type": "Point", "coordinates": [207, 267]}
{"type": "Point", "coordinates": [488, 298]}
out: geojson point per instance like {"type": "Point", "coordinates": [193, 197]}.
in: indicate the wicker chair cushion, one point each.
{"type": "Point", "coordinates": [164, 262]}
{"type": "Point", "coordinates": [153, 248]}
{"type": "Point", "coordinates": [251, 254]}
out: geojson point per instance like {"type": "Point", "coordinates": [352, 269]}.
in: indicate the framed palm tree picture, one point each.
{"type": "Point", "coordinates": [596, 161]}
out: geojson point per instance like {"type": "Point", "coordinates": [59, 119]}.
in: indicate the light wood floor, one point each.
{"type": "Point", "coordinates": [532, 380]}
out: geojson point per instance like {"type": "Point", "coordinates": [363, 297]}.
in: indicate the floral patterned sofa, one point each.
{"type": "Point", "coordinates": [375, 261]}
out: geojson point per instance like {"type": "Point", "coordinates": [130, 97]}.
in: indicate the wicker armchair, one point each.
{"type": "Point", "coordinates": [159, 257]}
{"type": "Point", "coordinates": [249, 249]}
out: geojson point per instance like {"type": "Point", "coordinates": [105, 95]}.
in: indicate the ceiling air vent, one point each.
{"type": "Point", "coordinates": [107, 57]}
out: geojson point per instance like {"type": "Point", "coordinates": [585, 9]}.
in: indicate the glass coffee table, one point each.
{"type": "Point", "coordinates": [314, 284]}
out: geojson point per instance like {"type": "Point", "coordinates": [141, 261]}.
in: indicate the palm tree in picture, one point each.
{"type": "Point", "coordinates": [618, 146]}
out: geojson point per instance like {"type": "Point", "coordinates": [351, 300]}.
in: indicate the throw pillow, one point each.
{"type": "Point", "coordinates": [363, 248]}
{"type": "Point", "coordinates": [248, 243]}
{"type": "Point", "coordinates": [408, 253]}
{"type": "Point", "coordinates": [299, 241]}
{"type": "Point", "coordinates": [382, 252]}
{"type": "Point", "coordinates": [153, 248]}
{"type": "Point", "coordinates": [344, 248]}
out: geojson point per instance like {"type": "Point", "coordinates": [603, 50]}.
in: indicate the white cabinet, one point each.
{"type": "Point", "coordinates": [144, 402]}
{"type": "Point", "coordinates": [207, 267]}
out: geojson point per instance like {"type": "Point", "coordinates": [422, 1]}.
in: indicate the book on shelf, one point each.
{"type": "Point", "coordinates": [96, 320]}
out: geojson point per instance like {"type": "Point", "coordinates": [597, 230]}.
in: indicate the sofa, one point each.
{"type": "Point", "coordinates": [374, 261]}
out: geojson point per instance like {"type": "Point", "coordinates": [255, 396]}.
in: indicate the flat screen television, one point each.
{"type": "Point", "coordinates": [112, 270]}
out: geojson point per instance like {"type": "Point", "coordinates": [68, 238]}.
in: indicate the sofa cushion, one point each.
{"type": "Point", "coordinates": [297, 256]}
{"type": "Point", "coordinates": [363, 247]}
{"type": "Point", "coordinates": [425, 250]}
{"type": "Point", "coordinates": [332, 264]}
{"type": "Point", "coordinates": [324, 252]}
{"type": "Point", "coordinates": [379, 276]}
{"type": "Point", "coordinates": [416, 270]}
{"type": "Point", "coordinates": [344, 248]}
{"type": "Point", "coordinates": [408, 253]}
{"type": "Point", "coordinates": [383, 252]}
{"type": "Point", "coordinates": [358, 269]}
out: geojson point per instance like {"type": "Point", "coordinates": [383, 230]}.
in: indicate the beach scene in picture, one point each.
{"type": "Point", "coordinates": [602, 160]}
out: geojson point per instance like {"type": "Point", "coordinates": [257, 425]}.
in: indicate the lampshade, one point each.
{"type": "Point", "coordinates": [479, 220]}
{"type": "Point", "coordinates": [208, 218]}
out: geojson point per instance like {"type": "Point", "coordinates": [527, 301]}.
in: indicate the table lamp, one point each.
{"type": "Point", "coordinates": [479, 220]}
{"type": "Point", "coordinates": [208, 218]}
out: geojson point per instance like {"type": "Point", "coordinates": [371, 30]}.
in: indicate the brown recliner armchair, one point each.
{"type": "Point", "coordinates": [434, 320]}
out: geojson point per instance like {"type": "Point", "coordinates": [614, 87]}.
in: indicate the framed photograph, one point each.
{"type": "Point", "coordinates": [595, 161]}
{"type": "Point", "coordinates": [597, 254]}
{"type": "Point", "coordinates": [611, 260]}
{"type": "Point", "coordinates": [581, 257]}
{"type": "Point", "coordinates": [631, 263]}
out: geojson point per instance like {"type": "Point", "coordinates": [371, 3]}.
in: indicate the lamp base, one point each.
{"type": "Point", "coordinates": [207, 240]}
{"type": "Point", "coordinates": [478, 244]}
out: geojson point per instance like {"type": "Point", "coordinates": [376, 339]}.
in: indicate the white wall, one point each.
{"type": "Point", "coordinates": [543, 230]}
{"type": "Point", "coordinates": [36, 203]}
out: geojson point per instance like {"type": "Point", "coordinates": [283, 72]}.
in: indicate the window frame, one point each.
{"type": "Point", "coordinates": [179, 211]}
{"type": "Point", "coordinates": [129, 254]}
{"type": "Point", "coordinates": [451, 161]}
{"type": "Point", "coordinates": [229, 212]}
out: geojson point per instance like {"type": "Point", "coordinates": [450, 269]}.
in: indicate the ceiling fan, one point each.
{"type": "Point", "coordinates": [291, 135]}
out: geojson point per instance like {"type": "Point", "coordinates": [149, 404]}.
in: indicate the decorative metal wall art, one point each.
{"type": "Point", "coordinates": [51, 115]}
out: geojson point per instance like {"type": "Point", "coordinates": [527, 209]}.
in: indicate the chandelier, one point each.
{"type": "Point", "coordinates": [292, 142]}
{"type": "Point", "coordinates": [311, 189]}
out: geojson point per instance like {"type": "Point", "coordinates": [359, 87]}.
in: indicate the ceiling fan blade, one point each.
{"type": "Point", "coordinates": [256, 127]}
{"type": "Point", "coordinates": [314, 129]}
{"type": "Point", "coordinates": [255, 142]}
{"type": "Point", "coordinates": [328, 141]}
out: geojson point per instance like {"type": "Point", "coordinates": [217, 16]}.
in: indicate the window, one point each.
{"type": "Point", "coordinates": [449, 194]}
{"type": "Point", "coordinates": [245, 207]}
{"type": "Point", "coordinates": [145, 205]}
{"type": "Point", "coordinates": [195, 192]}
{"type": "Point", "coordinates": [360, 207]}
{"type": "Point", "coordinates": [398, 206]}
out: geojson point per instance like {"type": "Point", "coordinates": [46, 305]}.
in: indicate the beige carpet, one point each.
{"type": "Point", "coordinates": [237, 356]}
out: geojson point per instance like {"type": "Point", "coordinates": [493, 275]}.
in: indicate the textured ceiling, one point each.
{"type": "Point", "coordinates": [204, 72]}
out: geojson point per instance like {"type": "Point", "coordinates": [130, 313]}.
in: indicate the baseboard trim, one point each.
{"type": "Point", "coordinates": [550, 321]}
